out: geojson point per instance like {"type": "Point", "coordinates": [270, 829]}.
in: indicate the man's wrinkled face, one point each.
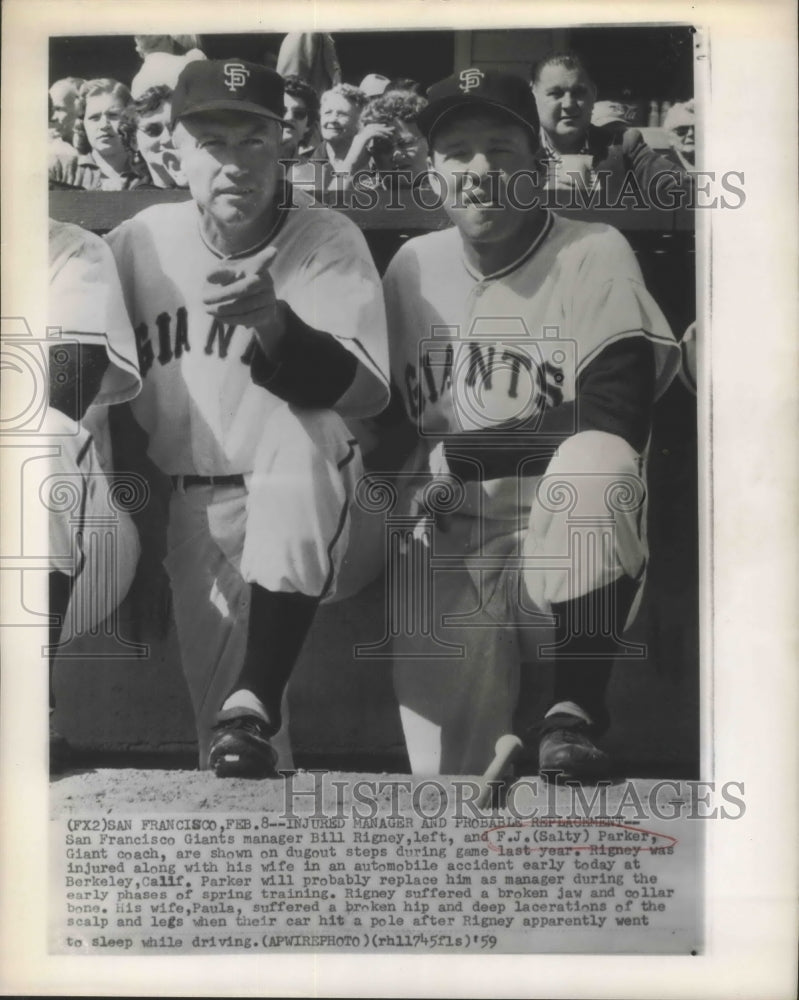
{"type": "Point", "coordinates": [338, 118]}
{"type": "Point", "coordinates": [487, 167]}
{"type": "Point", "coordinates": [62, 120]}
{"type": "Point", "coordinates": [565, 100]}
{"type": "Point", "coordinates": [230, 162]}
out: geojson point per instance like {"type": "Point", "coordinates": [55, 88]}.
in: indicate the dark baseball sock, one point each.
{"type": "Point", "coordinates": [279, 623]}
{"type": "Point", "coordinates": [591, 624]}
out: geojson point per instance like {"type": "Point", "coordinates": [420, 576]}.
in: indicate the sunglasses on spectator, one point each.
{"type": "Point", "coordinates": [153, 129]}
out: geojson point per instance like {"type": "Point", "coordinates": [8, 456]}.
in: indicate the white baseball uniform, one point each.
{"type": "Point", "coordinates": [471, 352]}
{"type": "Point", "coordinates": [85, 302]}
{"type": "Point", "coordinates": [288, 528]}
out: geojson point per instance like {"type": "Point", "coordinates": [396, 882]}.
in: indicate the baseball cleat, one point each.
{"type": "Point", "coordinates": [567, 753]}
{"type": "Point", "coordinates": [240, 748]}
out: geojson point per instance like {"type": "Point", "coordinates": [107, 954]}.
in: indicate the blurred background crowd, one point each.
{"type": "Point", "coordinates": [628, 102]}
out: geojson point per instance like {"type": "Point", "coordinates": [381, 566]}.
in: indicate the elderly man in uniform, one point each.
{"type": "Point", "coordinates": [260, 325]}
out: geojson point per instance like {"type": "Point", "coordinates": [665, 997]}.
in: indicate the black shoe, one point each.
{"type": "Point", "coordinates": [240, 748]}
{"type": "Point", "coordinates": [566, 751]}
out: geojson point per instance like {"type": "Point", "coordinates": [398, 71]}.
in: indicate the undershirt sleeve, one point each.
{"type": "Point", "coordinates": [615, 394]}
{"type": "Point", "coordinates": [312, 369]}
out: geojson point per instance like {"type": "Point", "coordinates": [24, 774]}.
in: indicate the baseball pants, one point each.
{"type": "Point", "coordinates": [288, 529]}
{"type": "Point", "coordinates": [91, 536]}
{"type": "Point", "coordinates": [513, 548]}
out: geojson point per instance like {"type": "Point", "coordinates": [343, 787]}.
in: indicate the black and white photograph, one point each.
{"type": "Point", "coordinates": [362, 464]}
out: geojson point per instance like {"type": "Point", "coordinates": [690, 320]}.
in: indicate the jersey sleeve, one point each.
{"type": "Point", "coordinates": [120, 242]}
{"type": "Point", "coordinates": [86, 303]}
{"type": "Point", "coordinates": [311, 368]}
{"type": "Point", "coordinates": [610, 302]}
{"type": "Point", "coordinates": [338, 292]}
{"type": "Point", "coordinates": [403, 325]}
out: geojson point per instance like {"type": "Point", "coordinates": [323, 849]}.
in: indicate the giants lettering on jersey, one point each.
{"type": "Point", "coordinates": [470, 384]}
{"type": "Point", "coordinates": [173, 340]}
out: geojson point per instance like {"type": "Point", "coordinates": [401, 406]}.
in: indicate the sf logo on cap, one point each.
{"type": "Point", "coordinates": [235, 75]}
{"type": "Point", "coordinates": [470, 78]}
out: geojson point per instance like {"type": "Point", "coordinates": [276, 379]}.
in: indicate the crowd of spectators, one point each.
{"type": "Point", "coordinates": [108, 136]}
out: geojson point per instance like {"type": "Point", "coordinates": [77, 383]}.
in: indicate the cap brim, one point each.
{"type": "Point", "coordinates": [601, 120]}
{"type": "Point", "coordinates": [430, 117]}
{"type": "Point", "coordinates": [244, 107]}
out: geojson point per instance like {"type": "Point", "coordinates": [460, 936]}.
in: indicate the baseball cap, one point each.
{"type": "Point", "coordinates": [228, 85]}
{"type": "Point", "coordinates": [374, 84]}
{"type": "Point", "coordinates": [487, 88]}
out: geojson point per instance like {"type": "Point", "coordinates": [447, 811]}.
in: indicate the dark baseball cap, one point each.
{"type": "Point", "coordinates": [482, 88]}
{"type": "Point", "coordinates": [228, 85]}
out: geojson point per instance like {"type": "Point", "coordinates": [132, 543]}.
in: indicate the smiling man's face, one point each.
{"type": "Point", "coordinates": [565, 100]}
{"type": "Point", "coordinates": [486, 165]}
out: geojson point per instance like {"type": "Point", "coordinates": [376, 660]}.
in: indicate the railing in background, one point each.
{"type": "Point", "coordinates": [101, 211]}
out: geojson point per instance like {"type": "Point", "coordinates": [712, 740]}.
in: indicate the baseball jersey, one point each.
{"type": "Point", "coordinates": [199, 405]}
{"type": "Point", "coordinates": [85, 302]}
{"type": "Point", "coordinates": [470, 352]}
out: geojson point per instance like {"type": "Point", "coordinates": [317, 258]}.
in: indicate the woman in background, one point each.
{"type": "Point", "coordinates": [104, 161]}
{"type": "Point", "coordinates": [145, 129]}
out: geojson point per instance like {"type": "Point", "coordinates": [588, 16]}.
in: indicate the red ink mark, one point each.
{"type": "Point", "coordinates": [566, 842]}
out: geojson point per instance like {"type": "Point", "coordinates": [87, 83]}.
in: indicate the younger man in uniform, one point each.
{"type": "Point", "coordinates": [530, 354]}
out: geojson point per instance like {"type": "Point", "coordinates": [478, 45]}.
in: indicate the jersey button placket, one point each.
{"type": "Point", "coordinates": [476, 293]}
